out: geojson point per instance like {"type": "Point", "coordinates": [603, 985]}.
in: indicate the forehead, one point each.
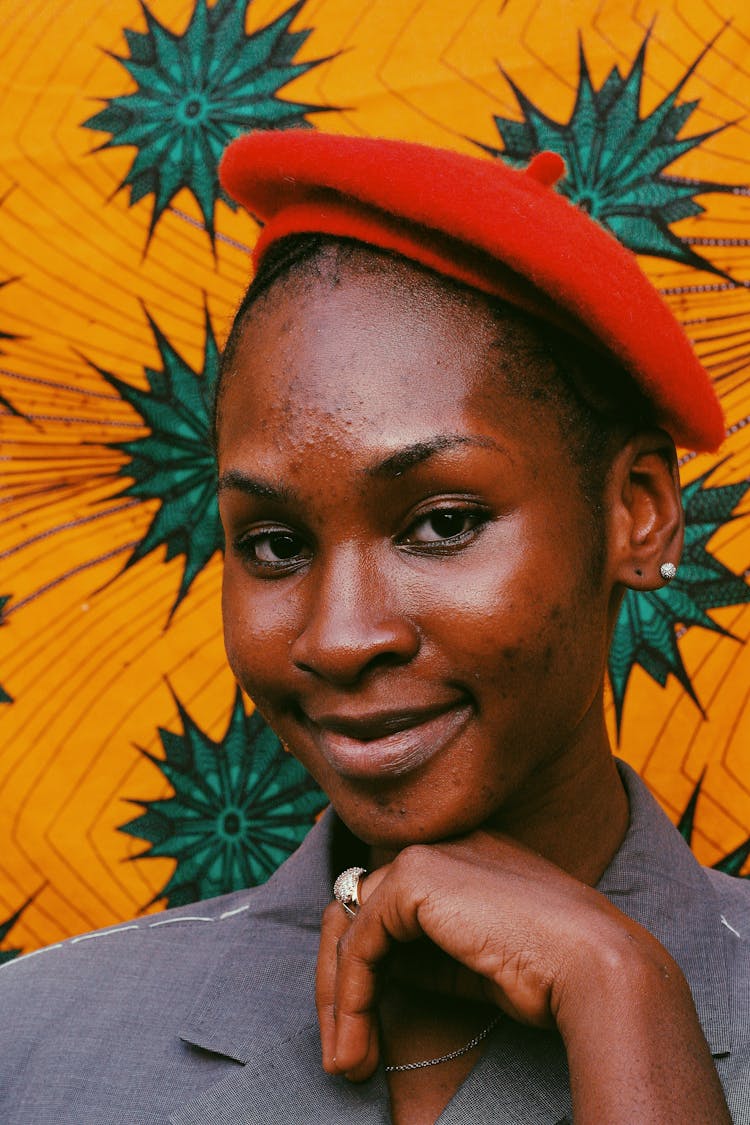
{"type": "Point", "coordinates": [364, 340]}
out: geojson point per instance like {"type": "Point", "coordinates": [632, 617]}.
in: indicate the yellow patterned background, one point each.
{"type": "Point", "coordinates": [88, 652]}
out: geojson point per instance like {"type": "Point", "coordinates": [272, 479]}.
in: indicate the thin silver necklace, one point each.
{"type": "Point", "coordinates": [451, 1054]}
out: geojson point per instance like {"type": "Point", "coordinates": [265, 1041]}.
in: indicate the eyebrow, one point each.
{"type": "Point", "coordinates": [252, 486]}
{"type": "Point", "coordinates": [412, 455]}
{"type": "Point", "coordinates": [395, 465]}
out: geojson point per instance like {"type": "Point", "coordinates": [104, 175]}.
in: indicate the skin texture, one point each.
{"type": "Point", "coordinates": [416, 599]}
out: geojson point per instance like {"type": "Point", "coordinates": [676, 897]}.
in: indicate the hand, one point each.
{"type": "Point", "coordinates": [518, 925]}
{"type": "Point", "coordinates": [546, 949]}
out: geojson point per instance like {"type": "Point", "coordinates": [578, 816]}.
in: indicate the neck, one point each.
{"type": "Point", "coordinates": [576, 818]}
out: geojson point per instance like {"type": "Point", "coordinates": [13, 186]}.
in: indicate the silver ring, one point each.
{"type": "Point", "coordinates": [346, 888]}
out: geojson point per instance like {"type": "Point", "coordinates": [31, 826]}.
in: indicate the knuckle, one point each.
{"type": "Point", "coordinates": [413, 861]}
{"type": "Point", "coordinates": [349, 954]}
{"type": "Point", "coordinates": [331, 913]}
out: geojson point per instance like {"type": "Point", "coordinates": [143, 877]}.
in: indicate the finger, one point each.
{"type": "Point", "coordinates": [366, 1050]}
{"type": "Point", "coordinates": [334, 925]}
{"type": "Point", "coordinates": [356, 1039]}
{"type": "Point", "coordinates": [384, 917]}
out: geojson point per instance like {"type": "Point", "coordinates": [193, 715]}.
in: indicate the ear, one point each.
{"type": "Point", "coordinates": [644, 511]}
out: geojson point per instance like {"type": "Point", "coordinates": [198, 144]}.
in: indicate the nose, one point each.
{"type": "Point", "coordinates": [353, 622]}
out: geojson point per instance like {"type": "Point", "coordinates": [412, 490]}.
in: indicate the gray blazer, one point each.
{"type": "Point", "coordinates": [205, 1014]}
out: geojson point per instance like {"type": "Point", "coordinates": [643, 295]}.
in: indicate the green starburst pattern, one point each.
{"type": "Point", "coordinates": [174, 462]}
{"type": "Point", "coordinates": [195, 93]}
{"type": "Point", "coordinates": [239, 807]}
{"type": "Point", "coordinates": [4, 697]}
{"type": "Point", "coordinates": [645, 632]}
{"type": "Point", "coordinates": [734, 861]}
{"type": "Point", "coordinates": [5, 928]}
{"type": "Point", "coordinates": [616, 158]}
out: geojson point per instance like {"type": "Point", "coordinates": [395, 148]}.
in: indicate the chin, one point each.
{"type": "Point", "coordinates": [392, 823]}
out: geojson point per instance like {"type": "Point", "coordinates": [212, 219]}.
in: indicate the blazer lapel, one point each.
{"type": "Point", "coordinates": [257, 1009]}
{"type": "Point", "coordinates": [285, 1082]}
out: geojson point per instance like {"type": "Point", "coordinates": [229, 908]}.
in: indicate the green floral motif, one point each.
{"type": "Point", "coordinates": [734, 861]}
{"type": "Point", "coordinates": [4, 697]}
{"type": "Point", "coordinates": [5, 928]}
{"type": "Point", "coordinates": [195, 93]}
{"type": "Point", "coordinates": [174, 462]}
{"type": "Point", "coordinates": [239, 807]}
{"type": "Point", "coordinates": [645, 630]}
{"type": "Point", "coordinates": [616, 158]}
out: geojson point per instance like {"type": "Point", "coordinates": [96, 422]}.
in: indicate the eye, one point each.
{"type": "Point", "coordinates": [445, 526]}
{"type": "Point", "coordinates": [273, 549]}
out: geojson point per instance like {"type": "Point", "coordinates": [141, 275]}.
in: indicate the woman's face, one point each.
{"type": "Point", "coordinates": [408, 590]}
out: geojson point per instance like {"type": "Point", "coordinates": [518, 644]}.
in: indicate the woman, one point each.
{"type": "Point", "coordinates": [444, 432]}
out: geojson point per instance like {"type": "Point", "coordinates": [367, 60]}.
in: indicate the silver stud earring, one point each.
{"type": "Point", "coordinates": [667, 571]}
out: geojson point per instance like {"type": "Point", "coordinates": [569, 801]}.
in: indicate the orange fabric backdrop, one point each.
{"type": "Point", "coordinates": [112, 626]}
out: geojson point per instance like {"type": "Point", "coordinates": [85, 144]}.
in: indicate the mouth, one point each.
{"type": "Point", "coordinates": [387, 744]}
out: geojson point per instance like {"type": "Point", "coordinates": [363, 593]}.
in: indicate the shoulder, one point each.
{"type": "Point", "coordinates": [122, 1024]}
{"type": "Point", "coordinates": [702, 917]}
{"type": "Point", "coordinates": [732, 902]}
{"type": "Point", "coordinates": [176, 945]}
{"type": "Point", "coordinates": [83, 1017]}
{"type": "Point", "coordinates": [125, 963]}
{"type": "Point", "coordinates": [733, 893]}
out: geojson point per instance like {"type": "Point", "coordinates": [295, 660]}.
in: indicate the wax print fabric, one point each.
{"type": "Point", "coordinates": [133, 776]}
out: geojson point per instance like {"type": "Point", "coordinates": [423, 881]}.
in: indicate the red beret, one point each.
{"type": "Point", "coordinates": [503, 231]}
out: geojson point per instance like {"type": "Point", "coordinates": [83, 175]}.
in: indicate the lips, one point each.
{"type": "Point", "coordinates": [387, 744]}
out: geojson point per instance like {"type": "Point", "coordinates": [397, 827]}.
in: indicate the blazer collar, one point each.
{"type": "Point", "coordinates": [656, 880]}
{"type": "Point", "coordinates": [257, 1006]}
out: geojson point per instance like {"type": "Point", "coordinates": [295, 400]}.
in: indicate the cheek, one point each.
{"type": "Point", "coordinates": [521, 628]}
{"type": "Point", "coordinates": [256, 635]}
